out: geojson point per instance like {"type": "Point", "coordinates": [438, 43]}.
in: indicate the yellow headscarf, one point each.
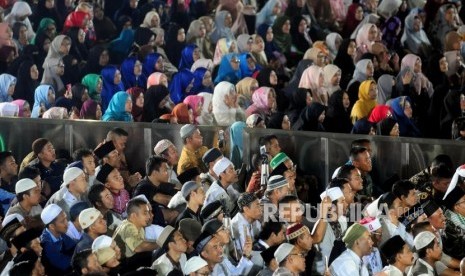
{"type": "Point", "coordinates": [363, 107]}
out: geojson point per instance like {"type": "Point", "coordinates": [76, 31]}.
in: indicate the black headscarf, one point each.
{"type": "Point", "coordinates": [142, 36]}
{"type": "Point", "coordinates": [173, 47]}
{"type": "Point", "coordinates": [42, 12]}
{"type": "Point", "coordinates": [308, 120]}
{"type": "Point", "coordinates": [78, 50]}
{"type": "Point", "coordinates": [25, 86]}
{"type": "Point", "coordinates": [276, 120]}
{"type": "Point", "coordinates": [385, 126]}
{"type": "Point", "coordinates": [297, 103]}
{"type": "Point", "coordinates": [126, 10]}
{"type": "Point", "coordinates": [337, 118]}
{"type": "Point", "coordinates": [298, 39]}
{"type": "Point", "coordinates": [152, 98]}
{"type": "Point", "coordinates": [345, 63]}
{"type": "Point", "coordinates": [92, 65]}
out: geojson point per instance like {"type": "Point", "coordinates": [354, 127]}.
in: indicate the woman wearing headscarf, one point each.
{"type": "Point", "coordinates": [137, 97]}
{"type": "Point", "coordinates": [271, 48]}
{"type": "Point", "coordinates": [386, 85]}
{"type": "Point", "coordinates": [195, 103]}
{"type": "Point", "coordinates": [202, 81]}
{"type": "Point", "coordinates": [91, 110]}
{"type": "Point", "coordinates": [20, 36]}
{"type": "Point", "coordinates": [189, 55]}
{"type": "Point", "coordinates": [79, 49]}
{"type": "Point", "coordinates": [391, 32]}
{"type": "Point", "coordinates": [129, 8]}
{"type": "Point", "coordinates": [237, 145]}
{"type": "Point", "coordinates": [131, 73]}
{"type": "Point", "coordinates": [300, 98]}
{"type": "Point", "coordinates": [153, 63]}
{"type": "Point", "coordinates": [332, 78]}
{"type": "Point", "coordinates": [181, 85]}
{"type": "Point", "coordinates": [175, 42]}
{"type": "Point", "coordinates": [111, 79]}
{"type": "Point", "coordinates": [156, 79]}
{"type": "Point", "coordinates": [59, 48]}
{"type": "Point", "coordinates": [8, 110]}
{"type": "Point", "coordinates": [353, 18]}
{"type": "Point", "coordinates": [311, 118]}
{"type": "Point", "coordinates": [223, 23]}
{"type": "Point", "coordinates": [301, 40]}
{"type": "Point", "coordinates": [245, 89]}
{"type": "Point", "coordinates": [229, 69]}
{"type": "Point", "coordinates": [379, 113]}
{"type": "Point", "coordinates": [155, 99]}
{"type": "Point", "coordinates": [44, 98]}
{"type": "Point", "coordinates": [206, 116]}
{"type": "Point", "coordinates": [362, 108]}
{"type": "Point", "coordinates": [263, 103]}
{"type": "Point", "coordinates": [7, 87]}
{"type": "Point", "coordinates": [365, 38]}
{"type": "Point", "coordinates": [364, 70]}
{"type": "Point", "coordinates": [20, 13]}
{"type": "Point", "coordinates": [182, 113]}
{"type": "Point", "coordinates": [80, 95]}
{"type": "Point", "coordinates": [267, 15]}
{"type": "Point", "coordinates": [446, 20]}
{"type": "Point", "coordinates": [58, 113]}
{"type": "Point", "coordinates": [224, 104]}
{"type": "Point", "coordinates": [53, 73]}
{"type": "Point", "coordinates": [27, 81]}
{"type": "Point", "coordinates": [47, 28]}
{"type": "Point", "coordinates": [279, 120]}
{"type": "Point", "coordinates": [388, 127]}
{"type": "Point", "coordinates": [151, 20]}
{"type": "Point", "coordinates": [345, 61]}
{"type": "Point", "coordinates": [333, 41]}
{"type": "Point", "coordinates": [223, 47]}
{"type": "Point", "coordinates": [244, 43]}
{"type": "Point", "coordinates": [197, 34]}
{"type": "Point", "coordinates": [24, 109]}
{"type": "Point", "coordinates": [258, 50]}
{"type": "Point", "coordinates": [248, 65]}
{"type": "Point", "coordinates": [97, 59]}
{"type": "Point", "coordinates": [94, 84]}
{"type": "Point", "coordinates": [403, 113]}
{"type": "Point", "coordinates": [119, 108]}
{"type": "Point", "coordinates": [78, 19]}
{"type": "Point", "coordinates": [119, 48]}
{"type": "Point", "coordinates": [46, 9]}
{"type": "Point", "coordinates": [420, 83]}
{"type": "Point", "coordinates": [338, 114]}
{"type": "Point", "coordinates": [281, 32]}
{"type": "Point", "coordinates": [363, 126]}
{"type": "Point", "coordinates": [313, 79]}
{"type": "Point", "coordinates": [414, 37]}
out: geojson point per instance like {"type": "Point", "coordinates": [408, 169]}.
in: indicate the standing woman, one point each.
{"type": "Point", "coordinates": [44, 98]}
{"type": "Point", "coordinates": [119, 108]}
{"type": "Point", "coordinates": [111, 78]}
{"type": "Point", "coordinates": [224, 103]}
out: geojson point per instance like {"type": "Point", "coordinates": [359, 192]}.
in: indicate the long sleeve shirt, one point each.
{"type": "Point", "coordinates": [57, 252]}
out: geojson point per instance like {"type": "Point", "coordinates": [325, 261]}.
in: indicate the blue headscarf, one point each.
{"type": "Point", "coordinates": [244, 66]}
{"type": "Point", "coordinates": [116, 110]}
{"type": "Point", "coordinates": [407, 127]}
{"type": "Point", "coordinates": [127, 74]}
{"type": "Point", "coordinates": [271, 46]}
{"type": "Point", "coordinates": [41, 97]}
{"type": "Point", "coordinates": [220, 30]}
{"type": "Point", "coordinates": [237, 144]}
{"type": "Point", "coordinates": [123, 43]}
{"type": "Point", "coordinates": [109, 87]}
{"type": "Point", "coordinates": [178, 85]}
{"type": "Point", "coordinates": [186, 57]}
{"type": "Point", "coordinates": [362, 126]}
{"type": "Point", "coordinates": [226, 72]}
{"type": "Point", "coordinates": [6, 80]}
{"type": "Point", "coordinates": [198, 87]}
{"type": "Point", "coordinates": [149, 64]}
{"type": "Point", "coordinates": [265, 15]}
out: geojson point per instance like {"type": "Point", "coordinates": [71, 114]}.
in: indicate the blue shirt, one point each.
{"type": "Point", "coordinates": [57, 252]}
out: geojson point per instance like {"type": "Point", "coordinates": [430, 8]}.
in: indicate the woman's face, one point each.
{"type": "Point", "coordinates": [235, 63]}
{"type": "Point", "coordinates": [269, 34]}
{"type": "Point", "coordinates": [181, 35]}
{"type": "Point", "coordinates": [395, 131]}
{"type": "Point", "coordinates": [351, 48]}
{"type": "Point", "coordinates": [372, 131]}
{"type": "Point", "coordinates": [370, 70]}
{"type": "Point", "coordinates": [137, 68]}
{"type": "Point", "coordinates": [372, 33]}
{"type": "Point", "coordinates": [196, 54]}
{"type": "Point", "coordinates": [133, 4]}
{"type": "Point", "coordinates": [462, 102]}
{"type": "Point", "coordinates": [164, 80]}
{"type": "Point", "coordinates": [155, 21]}
{"type": "Point", "coordinates": [417, 67]}
{"type": "Point", "coordinates": [322, 116]}
{"type": "Point", "coordinates": [287, 27]}
{"type": "Point", "coordinates": [231, 98]}
{"type": "Point", "coordinates": [128, 105]}
{"type": "Point", "coordinates": [34, 72]}
{"type": "Point", "coordinates": [449, 15]}
{"type": "Point", "coordinates": [408, 110]}
{"type": "Point", "coordinates": [228, 21]}
{"type": "Point", "coordinates": [359, 14]}
{"type": "Point", "coordinates": [60, 68]}
{"type": "Point", "coordinates": [49, 4]}
{"type": "Point", "coordinates": [373, 92]}
{"type": "Point", "coordinates": [117, 77]}
{"type": "Point", "coordinates": [345, 100]}
{"type": "Point", "coordinates": [26, 110]}
{"type": "Point", "coordinates": [207, 79]}
{"type": "Point", "coordinates": [273, 78]}
{"type": "Point", "coordinates": [11, 89]}
{"type": "Point", "coordinates": [51, 96]}
{"type": "Point", "coordinates": [51, 30]}
{"type": "Point", "coordinates": [159, 66]}
{"type": "Point", "coordinates": [202, 32]}
{"type": "Point", "coordinates": [276, 9]}
{"type": "Point", "coordinates": [104, 58]}
{"type": "Point", "coordinates": [140, 100]}
{"type": "Point", "coordinates": [271, 100]}
{"type": "Point", "coordinates": [65, 46]}
{"type": "Point", "coordinates": [22, 33]}
{"type": "Point", "coordinates": [198, 108]}
{"type": "Point", "coordinates": [286, 124]}
{"type": "Point", "coordinates": [81, 36]}
{"type": "Point", "coordinates": [259, 43]}
{"type": "Point", "coordinates": [99, 86]}
{"type": "Point", "coordinates": [191, 116]}
{"type": "Point", "coordinates": [416, 24]}
{"type": "Point", "coordinates": [302, 26]}
{"type": "Point", "coordinates": [336, 79]}
{"type": "Point", "coordinates": [189, 87]}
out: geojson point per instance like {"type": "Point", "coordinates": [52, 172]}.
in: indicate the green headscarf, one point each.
{"type": "Point", "coordinates": [44, 23]}
{"type": "Point", "coordinates": [91, 81]}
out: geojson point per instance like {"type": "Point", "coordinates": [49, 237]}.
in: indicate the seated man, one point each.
{"type": "Point", "coordinates": [194, 195]}
{"type": "Point", "coordinates": [193, 150]}
{"type": "Point", "coordinates": [8, 178]}
{"type": "Point", "coordinates": [93, 224]}
{"type": "Point", "coordinates": [28, 195]}
{"type": "Point", "coordinates": [398, 255]}
{"type": "Point", "coordinates": [290, 259]}
{"type": "Point", "coordinates": [101, 199]}
{"type": "Point", "coordinates": [429, 252]}
{"type": "Point", "coordinates": [166, 149]}
{"type": "Point", "coordinates": [58, 247]}
{"type": "Point", "coordinates": [172, 241]}
{"type": "Point", "coordinates": [85, 262]}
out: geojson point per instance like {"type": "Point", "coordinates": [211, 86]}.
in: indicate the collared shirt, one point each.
{"type": "Point", "coordinates": [217, 192]}
{"type": "Point", "coordinates": [390, 230]}
{"type": "Point", "coordinates": [69, 198]}
{"type": "Point", "coordinates": [164, 264]}
{"type": "Point", "coordinates": [57, 252]}
{"type": "Point", "coordinates": [391, 270]}
{"type": "Point", "coordinates": [428, 271]}
{"type": "Point", "coordinates": [72, 232]}
{"type": "Point", "coordinates": [84, 243]}
{"type": "Point", "coordinates": [128, 237]}
{"type": "Point", "coordinates": [282, 271]}
{"type": "Point", "coordinates": [373, 261]}
{"type": "Point", "coordinates": [226, 268]}
{"type": "Point", "coordinates": [121, 200]}
{"type": "Point", "coordinates": [188, 213]}
{"type": "Point", "coordinates": [190, 159]}
{"type": "Point", "coordinates": [239, 222]}
{"type": "Point", "coordinates": [18, 209]}
{"type": "Point", "coordinates": [348, 264]}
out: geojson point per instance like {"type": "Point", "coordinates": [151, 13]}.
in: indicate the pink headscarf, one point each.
{"type": "Point", "coordinates": [154, 79]}
{"type": "Point", "coordinates": [362, 37]}
{"type": "Point", "coordinates": [311, 80]}
{"type": "Point", "coordinates": [4, 38]}
{"type": "Point", "coordinates": [193, 102]}
{"type": "Point", "coordinates": [260, 98]}
{"type": "Point", "coordinates": [20, 104]}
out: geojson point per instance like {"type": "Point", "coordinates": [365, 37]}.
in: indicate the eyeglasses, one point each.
{"type": "Point", "coordinates": [303, 255]}
{"type": "Point", "coordinates": [235, 60]}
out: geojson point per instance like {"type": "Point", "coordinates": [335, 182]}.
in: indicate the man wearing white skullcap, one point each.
{"type": "Point", "coordinates": [196, 266]}
{"type": "Point", "coordinates": [72, 189]}
{"type": "Point", "coordinates": [57, 246]}
{"type": "Point", "coordinates": [28, 194]}
{"type": "Point", "coordinates": [224, 169]}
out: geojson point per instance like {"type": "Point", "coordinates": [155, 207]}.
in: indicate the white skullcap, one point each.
{"type": "Point", "coordinates": [24, 184]}
{"type": "Point", "coordinates": [221, 166]}
{"type": "Point", "coordinates": [71, 174]}
{"type": "Point", "coordinates": [100, 242]}
{"type": "Point", "coordinates": [283, 251]}
{"type": "Point", "coordinates": [50, 213]}
{"type": "Point", "coordinates": [11, 217]}
{"type": "Point", "coordinates": [194, 264]}
{"type": "Point", "coordinates": [162, 145]}
{"type": "Point", "coordinates": [371, 224]}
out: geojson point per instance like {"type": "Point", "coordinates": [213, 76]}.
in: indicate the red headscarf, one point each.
{"type": "Point", "coordinates": [76, 19]}
{"type": "Point", "coordinates": [181, 112]}
{"type": "Point", "coordinates": [379, 113]}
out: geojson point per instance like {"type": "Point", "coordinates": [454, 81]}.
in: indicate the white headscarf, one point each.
{"type": "Point", "coordinates": [224, 115]}
{"type": "Point", "coordinates": [9, 110]}
{"type": "Point", "coordinates": [206, 118]}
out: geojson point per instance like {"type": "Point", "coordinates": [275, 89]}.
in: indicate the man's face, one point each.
{"type": "Point", "coordinates": [48, 153]}
{"type": "Point", "coordinates": [34, 196]}
{"type": "Point", "coordinates": [254, 211]}
{"type": "Point", "coordinates": [162, 175]}
{"type": "Point", "coordinates": [411, 199]}
{"type": "Point", "coordinates": [297, 259]}
{"type": "Point", "coordinates": [363, 162]}
{"type": "Point", "coordinates": [356, 180]}
{"type": "Point", "coordinates": [61, 223]}
{"type": "Point", "coordinates": [306, 241]}
{"type": "Point", "coordinates": [114, 159]}
{"type": "Point", "coordinates": [229, 175]}
{"type": "Point", "coordinates": [9, 167]}
{"type": "Point", "coordinates": [291, 212]}
{"type": "Point", "coordinates": [365, 243]}
{"type": "Point", "coordinates": [120, 143]}
{"type": "Point", "coordinates": [115, 181]}
{"type": "Point", "coordinates": [273, 147]}
{"type": "Point", "coordinates": [436, 252]}
{"type": "Point", "coordinates": [438, 220]}
{"type": "Point", "coordinates": [376, 236]}
{"type": "Point", "coordinates": [441, 184]}
{"type": "Point", "coordinates": [36, 247]}
{"type": "Point", "coordinates": [100, 225]}
{"type": "Point", "coordinates": [406, 257]}
{"type": "Point", "coordinates": [142, 216]}
{"type": "Point", "coordinates": [196, 140]}
{"type": "Point", "coordinates": [172, 156]}
{"type": "Point", "coordinates": [107, 199]}
{"type": "Point", "coordinates": [89, 164]}
{"type": "Point", "coordinates": [180, 243]}
{"type": "Point", "coordinates": [93, 264]}
{"type": "Point", "coordinates": [213, 251]}
{"type": "Point", "coordinates": [348, 194]}
{"type": "Point", "coordinates": [80, 184]}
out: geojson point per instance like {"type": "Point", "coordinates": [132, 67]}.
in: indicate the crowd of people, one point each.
{"type": "Point", "coordinates": [325, 65]}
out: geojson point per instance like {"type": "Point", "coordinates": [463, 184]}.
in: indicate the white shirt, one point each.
{"type": "Point", "coordinates": [238, 223]}
{"type": "Point", "coordinates": [163, 264]}
{"type": "Point", "coordinates": [390, 230]}
{"type": "Point", "coordinates": [217, 192]}
{"type": "Point", "coordinates": [152, 232]}
{"type": "Point", "coordinates": [373, 261]}
{"type": "Point", "coordinates": [326, 245]}
{"type": "Point", "coordinates": [69, 198]}
{"type": "Point", "coordinates": [348, 264]}
{"type": "Point", "coordinates": [391, 270]}
{"type": "Point", "coordinates": [226, 268]}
